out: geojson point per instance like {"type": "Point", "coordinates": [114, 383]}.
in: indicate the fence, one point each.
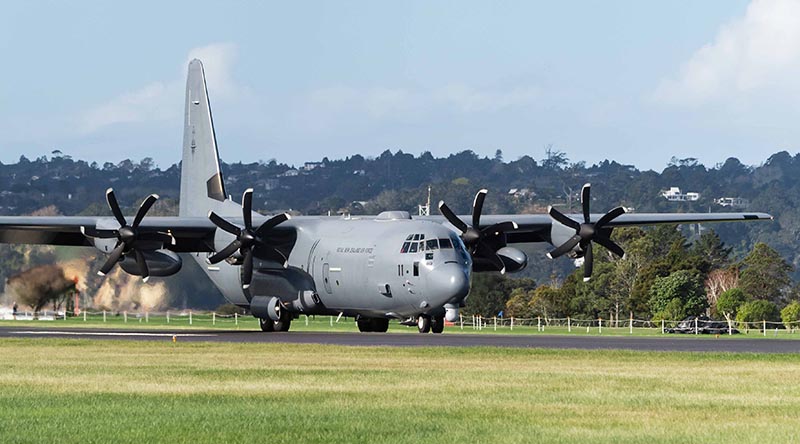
{"type": "Point", "coordinates": [476, 323]}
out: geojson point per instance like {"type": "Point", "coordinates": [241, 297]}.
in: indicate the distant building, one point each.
{"type": "Point", "coordinates": [732, 202]}
{"type": "Point", "coordinates": [290, 173]}
{"type": "Point", "coordinates": [308, 166]}
{"type": "Point", "coordinates": [674, 194]}
{"type": "Point", "coordinates": [521, 193]}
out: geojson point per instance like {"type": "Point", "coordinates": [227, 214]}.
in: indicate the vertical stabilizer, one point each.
{"type": "Point", "coordinates": [201, 179]}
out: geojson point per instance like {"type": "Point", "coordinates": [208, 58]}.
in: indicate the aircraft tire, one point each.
{"type": "Point", "coordinates": [380, 325]}
{"type": "Point", "coordinates": [284, 323]}
{"type": "Point", "coordinates": [364, 324]}
{"type": "Point", "coordinates": [437, 324]}
{"type": "Point", "coordinates": [424, 324]}
{"type": "Point", "coordinates": [267, 325]}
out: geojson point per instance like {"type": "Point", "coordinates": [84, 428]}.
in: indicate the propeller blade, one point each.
{"type": "Point", "coordinates": [451, 217]}
{"type": "Point", "coordinates": [247, 208]}
{"type": "Point", "coordinates": [586, 193]}
{"type": "Point", "coordinates": [114, 205]}
{"type": "Point", "coordinates": [143, 209]}
{"type": "Point", "coordinates": [563, 219]}
{"type": "Point", "coordinates": [610, 245]}
{"type": "Point", "coordinates": [588, 262]}
{"type": "Point", "coordinates": [99, 234]}
{"type": "Point", "coordinates": [272, 223]}
{"type": "Point", "coordinates": [225, 253]}
{"type": "Point", "coordinates": [142, 263]}
{"type": "Point", "coordinates": [477, 208]}
{"type": "Point", "coordinates": [113, 258]}
{"type": "Point", "coordinates": [224, 224]}
{"type": "Point", "coordinates": [247, 269]}
{"type": "Point", "coordinates": [565, 248]}
{"type": "Point", "coordinates": [487, 253]}
{"type": "Point", "coordinates": [608, 217]}
{"type": "Point", "coordinates": [501, 227]}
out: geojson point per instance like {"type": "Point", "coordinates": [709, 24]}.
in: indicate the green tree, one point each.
{"type": "Point", "coordinates": [710, 248]}
{"type": "Point", "coordinates": [790, 314]}
{"type": "Point", "coordinates": [518, 305]}
{"type": "Point", "coordinates": [729, 302]}
{"type": "Point", "coordinates": [765, 274]}
{"type": "Point", "coordinates": [757, 311]}
{"type": "Point", "coordinates": [683, 285]}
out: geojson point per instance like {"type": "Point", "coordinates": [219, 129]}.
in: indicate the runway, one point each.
{"type": "Point", "coordinates": [665, 343]}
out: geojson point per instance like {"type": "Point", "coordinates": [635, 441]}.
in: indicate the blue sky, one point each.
{"type": "Point", "coordinates": [638, 82]}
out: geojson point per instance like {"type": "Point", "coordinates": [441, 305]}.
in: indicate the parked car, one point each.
{"type": "Point", "coordinates": [705, 325]}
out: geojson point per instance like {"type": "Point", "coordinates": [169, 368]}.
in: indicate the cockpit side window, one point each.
{"type": "Point", "coordinates": [445, 243]}
{"type": "Point", "coordinates": [432, 244]}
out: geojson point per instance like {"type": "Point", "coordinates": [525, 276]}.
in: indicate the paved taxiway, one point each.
{"type": "Point", "coordinates": [665, 343]}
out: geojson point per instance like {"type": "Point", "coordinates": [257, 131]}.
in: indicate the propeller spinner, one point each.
{"type": "Point", "coordinates": [587, 232]}
{"type": "Point", "coordinates": [479, 241]}
{"type": "Point", "coordinates": [248, 238]}
{"type": "Point", "coordinates": [129, 238]}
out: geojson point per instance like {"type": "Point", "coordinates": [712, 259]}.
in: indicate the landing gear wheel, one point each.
{"type": "Point", "coordinates": [267, 325]}
{"type": "Point", "coordinates": [437, 324]}
{"type": "Point", "coordinates": [424, 324]}
{"type": "Point", "coordinates": [285, 321]}
{"type": "Point", "coordinates": [378, 325]}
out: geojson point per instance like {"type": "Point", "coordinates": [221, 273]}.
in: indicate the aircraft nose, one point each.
{"type": "Point", "coordinates": [448, 282]}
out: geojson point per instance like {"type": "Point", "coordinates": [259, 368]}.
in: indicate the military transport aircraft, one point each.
{"type": "Point", "coordinates": [373, 268]}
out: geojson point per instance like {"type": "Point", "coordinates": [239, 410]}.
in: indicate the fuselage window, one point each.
{"type": "Point", "coordinates": [413, 248]}
{"type": "Point", "coordinates": [445, 243]}
{"type": "Point", "coordinates": [405, 247]}
{"type": "Point", "coordinates": [432, 244]}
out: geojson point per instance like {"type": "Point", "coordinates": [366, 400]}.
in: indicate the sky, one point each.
{"type": "Point", "coordinates": [636, 82]}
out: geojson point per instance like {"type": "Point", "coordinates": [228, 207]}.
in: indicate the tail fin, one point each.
{"type": "Point", "coordinates": [201, 179]}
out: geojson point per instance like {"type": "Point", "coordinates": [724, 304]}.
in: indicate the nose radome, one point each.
{"type": "Point", "coordinates": [447, 282]}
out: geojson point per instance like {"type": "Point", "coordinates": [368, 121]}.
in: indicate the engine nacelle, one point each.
{"type": "Point", "coordinates": [514, 259]}
{"type": "Point", "coordinates": [560, 234]}
{"type": "Point", "coordinates": [159, 263]}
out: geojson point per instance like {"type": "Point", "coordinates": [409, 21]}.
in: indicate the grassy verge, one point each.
{"type": "Point", "coordinates": [106, 391]}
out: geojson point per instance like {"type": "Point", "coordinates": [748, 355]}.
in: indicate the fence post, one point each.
{"type": "Point", "coordinates": [765, 327]}
{"type": "Point", "coordinates": [631, 324]}
{"type": "Point", "coordinates": [190, 317]}
{"type": "Point", "coordinates": [512, 323]}
{"type": "Point", "coordinates": [84, 315]}
{"type": "Point", "coordinates": [662, 326]}
{"type": "Point", "coordinates": [146, 316]}
{"type": "Point", "coordinates": [461, 320]}
{"type": "Point", "coordinates": [104, 316]}
{"type": "Point", "coordinates": [125, 316]}
{"type": "Point", "coordinates": [569, 325]}
{"type": "Point", "coordinates": [236, 318]}
{"type": "Point", "coordinates": [306, 320]}
{"type": "Point", "coordinates": [538, 323]}
{"type": "Point", "coordinates": [167, 316]}
{"type": "Point", "coordinates": [600, 325]}
{"type": "Point", "coordinates": [495, 323]}
{"type": "Point", "coordinates": [730, 328]}
{"type": "Point", "coordinates": [213, 318]}
{"type": "Point", "coordinates": [695, 325]}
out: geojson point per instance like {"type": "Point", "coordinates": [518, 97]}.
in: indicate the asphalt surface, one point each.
{"type": "Point", "coordinates": [661, 343]}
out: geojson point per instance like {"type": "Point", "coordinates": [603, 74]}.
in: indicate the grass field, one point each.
{"type": "Point", "coordinates": [107, 391]}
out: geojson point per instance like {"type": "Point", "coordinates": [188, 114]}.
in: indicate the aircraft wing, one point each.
{"type": "Point", "coordinates": [191, 234]}
{"type": "Point", "coordinates": [536, 227]}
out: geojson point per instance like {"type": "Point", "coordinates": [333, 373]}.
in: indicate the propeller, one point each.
{"type": "Point", "coordinates": [479, 241]}
{"type": "Point", "coordinates": [129, 238]}
{"type": "Point", "coordinates": [587, 232]}
{"type": "Point", "coordinates": [247, 238]}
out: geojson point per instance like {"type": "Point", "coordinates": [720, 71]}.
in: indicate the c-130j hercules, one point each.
{"type": "Point", "coordinates": [377, 268]}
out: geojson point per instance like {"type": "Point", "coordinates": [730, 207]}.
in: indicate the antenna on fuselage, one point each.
{"type": "Point", "coordinates": [425, 210]}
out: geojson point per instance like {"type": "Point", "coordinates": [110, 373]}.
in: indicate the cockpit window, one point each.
{"type": "Point", "coordinates": [413, 248]}
{"type": "Point", "coordinates": [432, 244]}
{"type": "Point", "coordinates": [445, 243]}
{"type": "Point", "coordinates": [406, 245]}
{"type": "Point", "coordinates": [410, 236]}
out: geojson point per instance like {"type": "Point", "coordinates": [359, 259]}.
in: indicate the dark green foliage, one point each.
{"type": "Point", "coordinates": [729, 302]}
{"type": "Point", "coordinates": [791, 314]}
{"type": "Point", "coordinates": [679, 294]}
{"type": "Point", "coordinates": [757, 311]}
{"type": "Point", "coordinates": [765, 274]}
{"type": "Point", "coordinates": [491, 291]}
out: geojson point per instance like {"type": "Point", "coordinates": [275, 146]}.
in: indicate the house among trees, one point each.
{"type": "Point", "coordinates": [673, 194]}
{"type": "Point", "coordinates": [732, 202]}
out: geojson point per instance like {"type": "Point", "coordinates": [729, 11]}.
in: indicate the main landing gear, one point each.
{"type": "Point", "coordinates": [433, 324]}
{"type": "Point", "coordinates": [376, 325]}
{"type": "Point", "coordinates": [281, 324]}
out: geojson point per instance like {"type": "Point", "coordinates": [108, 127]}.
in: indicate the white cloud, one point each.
{"type": "Point", "coordinates": [469, 99]}
{"type": "Point", "coordinates": [751, 59]}
{"type": "Point", "coordinates": [160, 101]}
